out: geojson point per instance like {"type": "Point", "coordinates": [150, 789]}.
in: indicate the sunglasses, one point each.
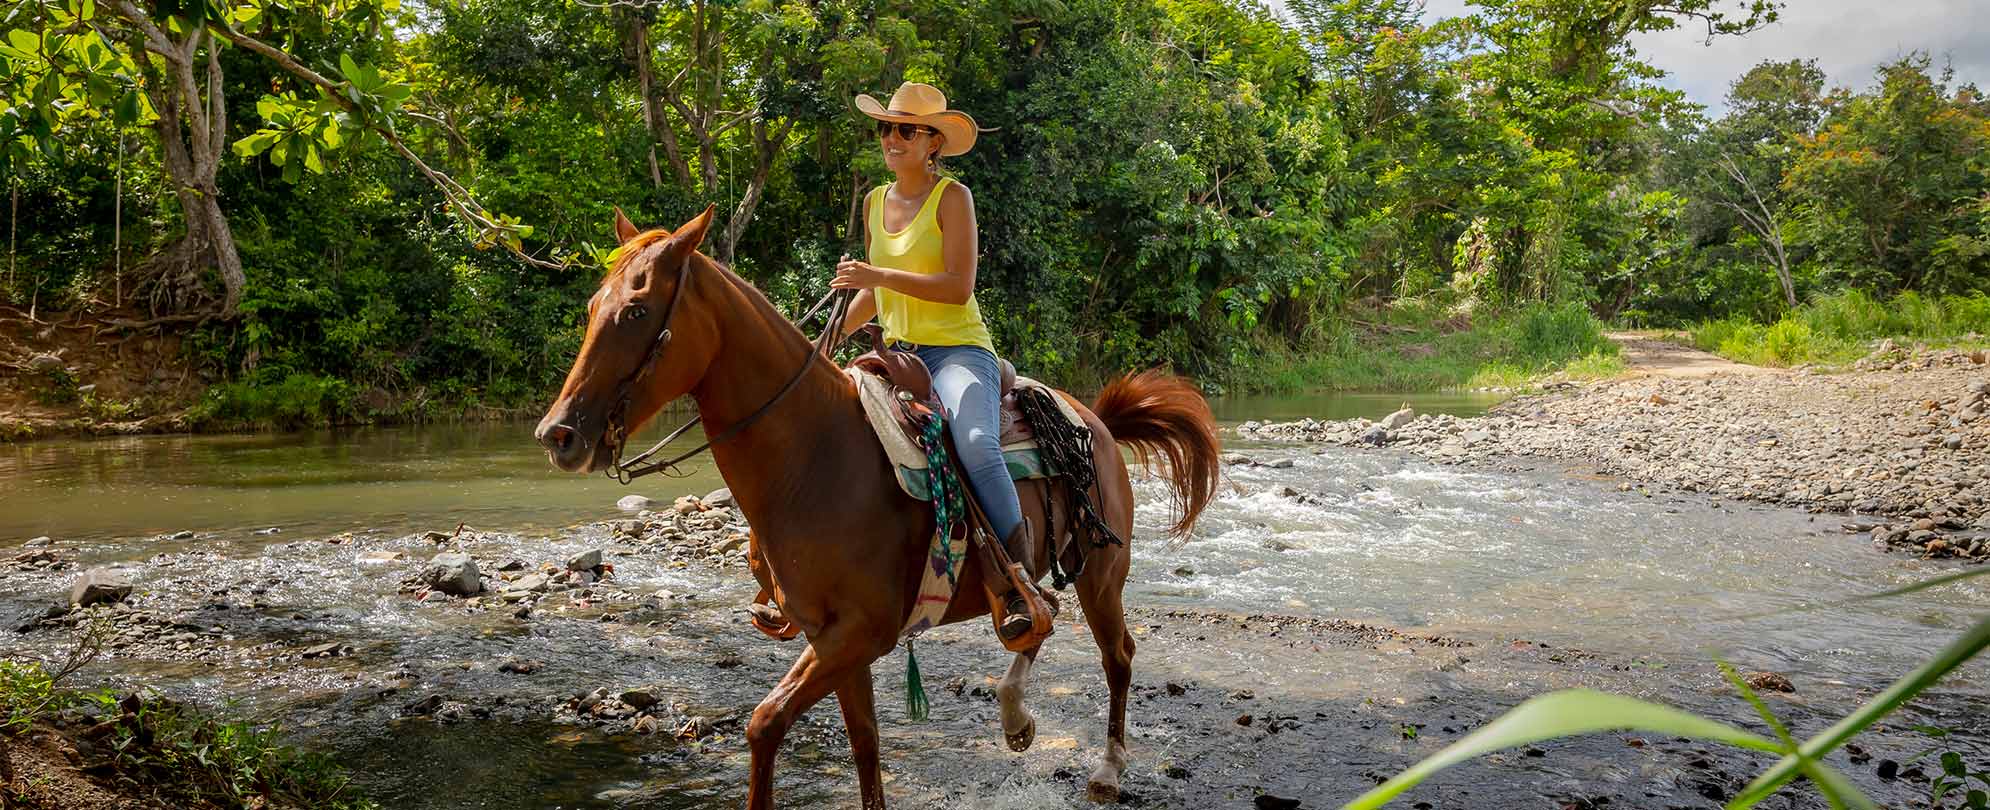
{"type": "Point", "coordinates": [905, 131]}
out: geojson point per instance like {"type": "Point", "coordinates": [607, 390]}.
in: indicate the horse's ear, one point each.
{"type": "Point", "coordinates": [692, 234]}
{"type": "Point", "coordinates": [624, 229]}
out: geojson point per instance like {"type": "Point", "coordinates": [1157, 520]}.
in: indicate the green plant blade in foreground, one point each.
{"type": "Point", "coordinates": [1563, 714]}
{"type": "Point", "coordinates": [1913, 683]}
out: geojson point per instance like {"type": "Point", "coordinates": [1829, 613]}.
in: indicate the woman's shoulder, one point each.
{"type": "Point", "coordinates": [955, 193]}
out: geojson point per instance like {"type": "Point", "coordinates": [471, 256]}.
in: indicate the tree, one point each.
{"type": "Point", "coordinates": [67, 56]}
{"type": "Point", "coordinates": [1889, 176]}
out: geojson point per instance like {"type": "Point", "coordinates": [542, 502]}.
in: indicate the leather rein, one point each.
{"type": "Point", "coordinates": [616, 432]}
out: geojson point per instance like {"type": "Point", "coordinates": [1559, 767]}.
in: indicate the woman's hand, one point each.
{"type": "Point", "coordinates": [855, 275]}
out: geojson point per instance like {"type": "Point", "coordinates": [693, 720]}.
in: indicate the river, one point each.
{"type": "Point", "coordinates": [1663, 581]}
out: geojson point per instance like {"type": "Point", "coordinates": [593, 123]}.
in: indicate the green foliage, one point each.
{"type": "Point", "coordinates": [297, 400]}
{"type": "Point", "coordinates": [52, 386]}
{"type": "Point", "coordinates": [1576, 712]}
{"type": "Point", "coordinates": [1840, 327]}
{"type": "Point", "coordinates": [178, 755]}
{"type": "Point", "coordinates": [1419, 347]}
{"type": "Point", "coordinates": [1185, 183]}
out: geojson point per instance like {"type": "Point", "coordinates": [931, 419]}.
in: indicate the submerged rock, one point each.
{"type": "Point", "coordinates": [99, 586]}
{"type": "Point", "coordinates": [634, 503]}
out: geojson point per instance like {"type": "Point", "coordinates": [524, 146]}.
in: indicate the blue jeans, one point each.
{"type": "Point", "coordinates": [966, 381]}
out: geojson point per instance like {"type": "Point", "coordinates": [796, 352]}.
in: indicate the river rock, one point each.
{"type": "Point", "coordinates": [1375, 436]}
{"type": "Point", "coordinates": [327, 650]}
{"type": "Point", "coordinates": [530, 583]}
{"type": "Point", "coordinates": [99, 586]}
{"type": "Point", "coordinates": [585, 561]}
{"type": "Point", "coordinates": [1399, 418]}
{"type": "Point", "coordinates": [452, 573]}
{"type": "Point", "coordinates": [719, 497]}
{"type": "Point", "coordinates": [381, 557]}
{"type": "Point", "coordinates": [1280, 464]}
{"type": "Point", "coordinates": [38, 542]}
{"type": "Point", "coordinates": [634, 503]}
{"type": "Point", "coordinates": [1769, 682]}
{"type": "Point", "coordinates": [639, 699]}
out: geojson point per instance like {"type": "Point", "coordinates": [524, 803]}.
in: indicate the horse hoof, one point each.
{"type": "Point", "coordinates": [1103, 793]}
{"type": "Point", "coordinates": [1021, 740]}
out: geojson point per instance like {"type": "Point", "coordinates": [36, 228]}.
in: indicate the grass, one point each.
{"type": "Point", "coordinates": [171, 753]}
{"type": "Point", "coordinates": [1575, 712]}
{"type": "Point", "coordinates": [1839, 328]}
{"type": "Point", "coordinates": [1415, 349]}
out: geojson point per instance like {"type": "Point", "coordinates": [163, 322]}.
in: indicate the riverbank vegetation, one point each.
{"type": "Point", "coordinates": [1842, 327]}
{"type": "Point", "coordinates": [68, 748]}
{"type": "Point", "coordinates": [1418, 346]}
{"type": "Point", "coordinates": [346, 210]}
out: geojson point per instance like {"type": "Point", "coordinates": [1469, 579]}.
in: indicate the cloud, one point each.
{"type": "Point", "coordinates": [1848, 38]}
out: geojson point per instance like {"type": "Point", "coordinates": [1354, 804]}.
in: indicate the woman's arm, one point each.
{"type": "Point", "coordinates": [959, 247]}
{"type": "Point", "coordinates": [862, 309]}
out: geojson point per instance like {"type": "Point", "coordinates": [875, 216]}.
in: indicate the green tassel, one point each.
{"type": "Point", "coordinates": [915, 688]}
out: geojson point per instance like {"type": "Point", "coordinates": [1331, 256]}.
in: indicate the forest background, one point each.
{"type": "Point", "coordinates": [354, 210]}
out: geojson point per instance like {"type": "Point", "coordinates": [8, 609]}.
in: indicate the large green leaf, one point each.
{"type": "Point", "coordinates": [1913, 683]}
{"type": "Point", "coordinates": [1564, 714]}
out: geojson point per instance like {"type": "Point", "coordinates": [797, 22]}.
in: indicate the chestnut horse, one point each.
{"type": "Point", "coordinates": [833, 535]}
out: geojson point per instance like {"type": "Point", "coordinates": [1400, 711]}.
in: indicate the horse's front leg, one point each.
{"type": "Point", "coordinates": [860, 719]}
{"type": "Point", "coordinates": [807, 681]}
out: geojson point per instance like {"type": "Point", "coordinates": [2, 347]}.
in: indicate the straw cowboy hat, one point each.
{"type": "Point", "coordinates": [916, 103]}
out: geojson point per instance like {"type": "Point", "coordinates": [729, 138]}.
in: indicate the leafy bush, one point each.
{"type": "Point", "coordinates": [53, 386]}
{"type": "Point", "coordinates": [1546, 333]}
{"type": "Point", "coordinates": [1835, 328]}
{"type": "Point", "coordinates": [298, 400]}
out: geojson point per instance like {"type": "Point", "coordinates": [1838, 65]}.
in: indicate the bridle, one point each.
{"type": "Point", "coordinates": [615, 432]}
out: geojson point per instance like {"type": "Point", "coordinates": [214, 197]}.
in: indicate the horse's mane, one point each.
{"type": "Point", "coordinates": [627, 253]}
{"type": "Point", "coordinates": [629, 250]}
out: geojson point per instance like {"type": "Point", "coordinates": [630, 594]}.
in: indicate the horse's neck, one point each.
{"type": "Point", "coordinates": [769, 463]}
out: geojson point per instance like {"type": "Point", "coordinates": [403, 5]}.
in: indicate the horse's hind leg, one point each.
{"type": "Point", "coordinates": [858, 702]}
{"type": "Point", "coordinates": [1099, 591]}
{"type": "Point", "coordinates": [1018, 726]}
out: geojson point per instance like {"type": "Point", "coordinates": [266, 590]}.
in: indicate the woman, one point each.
{"type": "Point", "coordinates": [919, 284]}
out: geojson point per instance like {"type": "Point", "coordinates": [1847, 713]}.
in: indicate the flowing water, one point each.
{"type": "Point", "coordinates": [1363, 536]}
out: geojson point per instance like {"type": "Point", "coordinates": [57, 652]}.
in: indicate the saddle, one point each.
{"type": "Point", "coordinates": [897, 391]}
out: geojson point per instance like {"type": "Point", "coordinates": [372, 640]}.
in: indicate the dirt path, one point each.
{"type": "Point", "coordinates": [1649, 353]}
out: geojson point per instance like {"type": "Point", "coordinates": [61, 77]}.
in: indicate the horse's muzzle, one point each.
{"type": "Point", "coordinates": [566, 445]}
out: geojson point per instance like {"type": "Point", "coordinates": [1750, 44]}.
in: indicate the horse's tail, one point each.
{"type": "Point", "coordinates": [1159, 412]}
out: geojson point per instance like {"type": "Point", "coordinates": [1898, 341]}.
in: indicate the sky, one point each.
{"type": "Point", "coordinates": [1848, 38]}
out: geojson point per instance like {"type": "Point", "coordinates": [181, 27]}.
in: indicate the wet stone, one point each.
{"type": "Point", "coordinates": [634, 503]}
{"type": "Point", "coordinates": [452, 573]}
{"type": "Point", "coordinates": [99, 586]}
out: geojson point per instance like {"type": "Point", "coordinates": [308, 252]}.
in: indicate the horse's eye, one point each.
{"type": "Point", "coordinates": [634, 312]}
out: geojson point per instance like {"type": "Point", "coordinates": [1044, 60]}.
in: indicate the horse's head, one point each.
{"type": "Point", "coordinates": [651, 335]}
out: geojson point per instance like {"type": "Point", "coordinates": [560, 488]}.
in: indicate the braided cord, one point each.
{"type": "Point", "coordinates": [1067, 452]}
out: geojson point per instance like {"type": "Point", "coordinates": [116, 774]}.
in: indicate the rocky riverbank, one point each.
{"type": "Point", "coordinates": [1900, 443]}
{"type": "Point", "coordinates": [607, 664]}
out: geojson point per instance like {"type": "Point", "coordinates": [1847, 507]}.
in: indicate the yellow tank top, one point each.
{"type": "Point", "coordinates": [917, 250]}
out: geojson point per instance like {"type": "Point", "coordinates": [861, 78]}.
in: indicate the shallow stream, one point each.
{"type": "Point", "coordinates": [1663, 581]}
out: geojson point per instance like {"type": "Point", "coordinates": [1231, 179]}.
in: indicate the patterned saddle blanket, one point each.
{"type": "Point", "coordinates": [891, 412]}
{"type": "Point", "coordinates": [882, 406]}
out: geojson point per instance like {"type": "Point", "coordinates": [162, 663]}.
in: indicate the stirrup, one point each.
{"type": "Point", "coordinates": [1017, 623]}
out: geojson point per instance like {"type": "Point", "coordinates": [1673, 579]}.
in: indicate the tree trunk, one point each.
{"type": "Point", "coordinates": [654, 122]}
{"type": "Point", "coordinates": [765, 147]}
{"type": "Point", "coordinates": [192, 133]}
